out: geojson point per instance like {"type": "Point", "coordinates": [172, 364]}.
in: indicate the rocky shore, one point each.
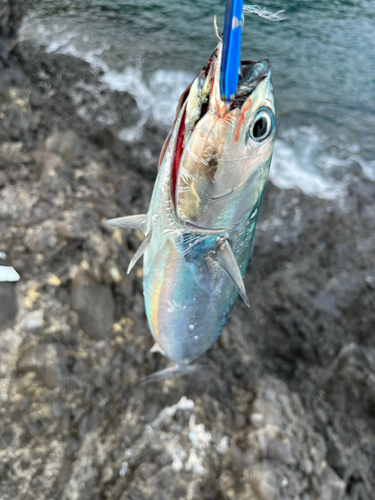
{"type": "Point", "coordinates": [286, 409]}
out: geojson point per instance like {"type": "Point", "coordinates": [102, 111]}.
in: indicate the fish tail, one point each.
{"type": "Point", "coordinates": [172, 372]}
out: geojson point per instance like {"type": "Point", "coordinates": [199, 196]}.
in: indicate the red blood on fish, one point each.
{"type": "Point", "coordinates": [241, 121]}
{"type": "Point", "coordinates": [177, 155]}
{"type": "Point", "coordinates": [181, 102]}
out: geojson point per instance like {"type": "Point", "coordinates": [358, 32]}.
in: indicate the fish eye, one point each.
{"type": "Point", "coordinates": [262, 125]}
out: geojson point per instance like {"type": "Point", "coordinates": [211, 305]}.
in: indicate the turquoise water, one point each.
{"type": "Point", "coordinates": [322, 55]}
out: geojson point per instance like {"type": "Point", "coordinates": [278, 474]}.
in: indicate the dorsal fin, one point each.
{"type": "Point", "coordinates": [225, 259]}
{"type": "Point", "coordinates": [141, 250]}
{"type": "Point", "coordinates": [131, 222]}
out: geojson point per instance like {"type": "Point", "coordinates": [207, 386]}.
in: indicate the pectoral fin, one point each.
{"type": "Point", "coordinates": [132, 222]}
{"type": "Point", "coordinates": [225, 259]}
{"type": "Point", "coordinates": [140, 251]}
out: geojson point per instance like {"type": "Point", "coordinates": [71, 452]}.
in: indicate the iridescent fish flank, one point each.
{"type": "Point", "coordinates": [199, 229]}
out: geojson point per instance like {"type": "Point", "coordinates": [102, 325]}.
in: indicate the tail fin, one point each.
{"type": "Point", "coordinates": [172, 372]}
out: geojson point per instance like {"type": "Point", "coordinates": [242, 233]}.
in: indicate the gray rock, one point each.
{"type": "Point", "coordinates": [36, 99]}
{"type": "Point", "coordinates": [8, 304]}
{"type": "Point", "coordinates": [40, 239]}
{"type": "Point", "coordinates": [11, 151]}
{"type": "Point", "coordinates": [327, 304]}
{"type": "Point", "coordinates": [69, 228]}
{"type": "Point", "coordinates": [11, 14]}
{"type": "Point", "coordinates": [263, 484]}
{"type": "Point", "coordinates": [68, 145]}
{"type": "Point", "coordinates": [46, 164]}
{"type": "Point", "coordinates": [15, 111]}
{"type": "Point", "coordinates": [106, 138]}
{"type": "Point", "coordinates": [122, 109]}
{"type": "Point", "coordinates": [43, 360]}
{"type": "Point", "coordinates": [94, 304]}
{"type": "Point", "coordinates": [352, 374]}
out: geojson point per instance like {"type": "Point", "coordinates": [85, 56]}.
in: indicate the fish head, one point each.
{"type": "Point", "coordinates": [223, 150]}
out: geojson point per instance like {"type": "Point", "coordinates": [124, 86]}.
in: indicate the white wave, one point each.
{"type": "Point", "coordinates": [159, 97]}
{"type": "Point", "coordinates": [287, 171]}
{"type": "Point", "coordinates": [303, 159]}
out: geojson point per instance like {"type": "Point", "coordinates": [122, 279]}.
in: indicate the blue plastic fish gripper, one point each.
{"type": "Point", "coordinates": [230, 62]}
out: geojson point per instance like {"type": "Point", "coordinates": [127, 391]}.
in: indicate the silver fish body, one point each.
{"type": "Point", "coordinates": [200, 225]}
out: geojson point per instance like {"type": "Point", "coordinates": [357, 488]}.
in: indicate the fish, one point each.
{"type": "Point", "coordinates": [199, 229]}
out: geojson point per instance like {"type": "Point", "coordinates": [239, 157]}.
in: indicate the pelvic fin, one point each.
{"type": "Point", "coordinates": [132, 222]}
{"type": "Point", "coordinates": [140, 251]}
{"type": "Point", "coordinates": [225, 259]}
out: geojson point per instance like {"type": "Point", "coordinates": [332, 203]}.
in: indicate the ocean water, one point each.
{"type": "Point", "coordinates": [322, 56]}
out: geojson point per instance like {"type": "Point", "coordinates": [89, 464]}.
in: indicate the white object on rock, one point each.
{"type": "Point", "coordinates": [8, 273]}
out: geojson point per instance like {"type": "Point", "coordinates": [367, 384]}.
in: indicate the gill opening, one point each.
{"type": "Point", "coordinates": [181, 138]}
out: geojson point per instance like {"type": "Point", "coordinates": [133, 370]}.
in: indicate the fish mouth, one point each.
{"type": "Point", "coordinates": [252, 73]}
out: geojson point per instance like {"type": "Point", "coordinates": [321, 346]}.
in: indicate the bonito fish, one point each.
{"type": "Point", "coordinates": [200, 226]}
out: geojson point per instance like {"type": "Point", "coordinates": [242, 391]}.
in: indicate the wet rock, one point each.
{"type": "Point", "coordinates": [274, 445]}
{"type": "Point", "coordinates": [15, 112]}
{"type": "Point", "coordinates": [327, 304]}
{"type": "Point", "coordinates": [107, 475]}
{"type": "Point", "coordinates": [94, 304]}
{"type": "Point", "coordinates": [122, 108]}
{"type": "Point", "coordinates": [46, 164]}
{"type": "Point", "coordinates": [11, 151]}
{"type": "Point", "coordinates": [107, 138]}
{"type": "Point", "coordinates": [130, 194]}
{"type": "Point", "coordinates": [36, 99]}
{"type": "Point", "coordinates": [11, 14]}
{"type": "Point", "coordinates": [69, 227]}
{"type": "Point", "coordinates": [68, 145]}
{"type": "Point", "coordinates": [40, 239]}
{"type": "Point", "coordinates": [8, 304]}
{"type": "Point", "coordinates": [334, 489]}
{"type": "Point", "coordinates": [350, 380]}
{"type": "Point", "coordinates": [43, 360]}
{"type": "Point", "coordinates": [263, 484]}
